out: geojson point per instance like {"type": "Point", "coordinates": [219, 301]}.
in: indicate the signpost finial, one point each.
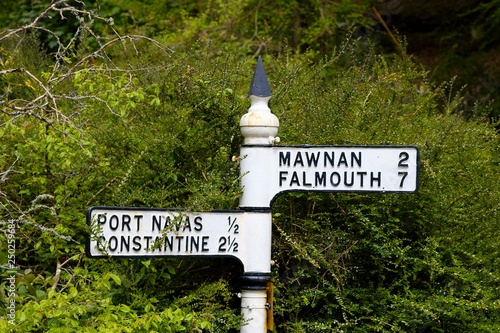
{"type": "Point", "coordinates": [260, 86]}
{"type": "Point", "coordinates": [259, 126]}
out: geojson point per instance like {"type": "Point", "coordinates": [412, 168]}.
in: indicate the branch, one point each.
{"type": "Point", "coordinates": [59, 267]}
{"type": "Point", "coordinates": [46, 103]}
{"type": "Point", "coordinates": [34, 23]}
{"type": "Point", "coordinates": [5, 174]}
{"type": "Point", "coordinates": [56, 77]}
{"type": "Point", "coordinates": [9, 71]}
{"type": "Point", "coordinates": [57, 276]}
{"type": "Point", "coordinates": [96, 53]}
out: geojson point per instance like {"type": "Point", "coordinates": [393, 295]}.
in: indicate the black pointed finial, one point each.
{"type": "Point", "coordinates": [260, 85]}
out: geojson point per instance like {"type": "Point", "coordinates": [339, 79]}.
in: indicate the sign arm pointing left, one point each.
{"type": "Point", "coordinates": [143, 232]}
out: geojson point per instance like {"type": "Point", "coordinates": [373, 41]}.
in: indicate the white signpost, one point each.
{"type": "Point", "coordinates": [143, 232]}
{"type": "Point", "coordinates": [328, 169]}
{"type": "Point", "coordinates": [245, 234]}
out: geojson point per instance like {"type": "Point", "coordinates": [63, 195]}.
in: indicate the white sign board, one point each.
{"type": "Point", "coordinates": [144, 232]}
{"type": "Point", "coordinates": [328, 168]}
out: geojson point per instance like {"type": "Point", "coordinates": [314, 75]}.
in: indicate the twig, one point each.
{"type": "Point", "coordinates": [394, 40]}
{"type": "Point", "coordinates": [57, 275]}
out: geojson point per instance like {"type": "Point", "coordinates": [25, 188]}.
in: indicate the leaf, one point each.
{"type": "Point", "coordinates": [115, 278]}
{"type": "Point", "coordinates": [155, 101]}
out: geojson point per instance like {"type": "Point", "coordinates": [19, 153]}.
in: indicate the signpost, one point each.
{"type": "Point", "coordinates": [245, 234]}
{"type": "Point", "coordinates": [328, 169]}
{"type": "Point", "coordinates": [144, 232]}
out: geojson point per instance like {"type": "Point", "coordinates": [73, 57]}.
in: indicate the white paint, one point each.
{"type": "Point", "coordinates": [131, 232]}
{"type": "Point", "coordinates": [254, 310]}
{"type": "Point", "coordinates": [259, 126]}
{"type": "Point", "coordinates": [268, 171]}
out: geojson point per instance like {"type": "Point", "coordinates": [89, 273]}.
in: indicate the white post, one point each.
{"type": "Point", "coordinates": [254, 309]}
{"type": "Point", "coordinates": [259, 128]}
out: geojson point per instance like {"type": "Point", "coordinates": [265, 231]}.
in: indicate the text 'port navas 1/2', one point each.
{"type": "Point", "coordinates": [156, 232]}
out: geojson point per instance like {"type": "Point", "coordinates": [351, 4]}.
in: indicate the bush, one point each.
{"type": "Point", "coordinates": [135, 124]}
{"type": "Point", "coordinates": [387, 262]}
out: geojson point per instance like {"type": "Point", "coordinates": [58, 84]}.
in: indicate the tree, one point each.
{"type": "Point", "coordinates": [112, 117]}
{"type": "Point", "coordinates": [48, 159]}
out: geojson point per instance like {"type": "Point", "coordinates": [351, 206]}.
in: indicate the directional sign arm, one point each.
{"type": "Point", "coordinates": [139, 232]}
{"type": "Point", "coordinates": [268, 171]}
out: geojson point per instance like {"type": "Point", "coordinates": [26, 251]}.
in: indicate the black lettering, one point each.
{"type": "Point", "coordinates": [101, 218]}
{"type": "Point", "coordinates": [283, 175]}
{"type": "Point", "coordinates": [312, 160]}
{"type": "Point", "coordinates": [232, 225]}
{"type": "Point", "coordinates": [187, 225]}
{"type": "Point", "coordinates": [169, 242]}
{"type": "Point", "coordinates": [298, 159]}
{"type": "Point", "coordinates": [126, 222]}
{"type": "Point", "coordinates": [204, 244]}
{"type": "Point", "coordinates": [320, 179]}
{"type": "Point", "coordinates": [148, 239]}
{"type": "Point", "coordinates": [113, 243]}
{"type": "Point", "coordinates": [330, 158]}
{"type": "Point", "coordinates": [156, 222]}
{"type": "Point", "coordinates": [361, 175]}
{"type": "Point", "coordinates": [179, 242]}
{"type": "Point", "coordinates": [295, 179]}
{"type": "Point", "coordinates": [197, 223]}
{"type": "Point", "coordinates": [138, 220]}
{"type": "Point", "coordinates": [195, 243]}
{"type": "Point", "coordinates": [168, 222]}
{"type": "Point", "coordinates": [137, 243]}
{"type": "Point", "coordinates": [404, 156]}
{"type": "Point", "coordinates": [304, 179]}
{"type": "Point", "coordinates": [222, 244]}
{"type": "Point", "coordinates": [345, 179]}
{"type": "Point", "coordinates": [116, 220]}
{"type": "Point", "coordinates": [285, 158]}
{"type": "Point", "coordinates": [403, 174]}
{"type": "Point", "coordinates": [356, 159]}
{"type": "Point", "coordinates": [342, 160]}
{"type": "Point", "coordinates": [338, 179]}
{"type": "Point", "coordinates": [377, 179]}
{"type": "Point", "coordinates": [125, 242]}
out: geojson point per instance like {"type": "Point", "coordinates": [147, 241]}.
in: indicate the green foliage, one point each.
{"type": "Point", "coordinates": [63, 27]}
{"type": "Point", "coordinates": [257, 25]}
{"type": "Point", "coordinates": [88, 307]}
{"type": "Point", "coordinates": [212, 302]}
{"type": "Point", "coordinates": [138, 125]}
{"type": "Point", "coordinates": [400, 263]}
{"type": "Point", "coordinates": [487, 20]}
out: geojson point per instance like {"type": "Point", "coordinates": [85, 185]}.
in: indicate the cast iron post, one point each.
{"type": "Point", "coordinates": [259, 128]}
